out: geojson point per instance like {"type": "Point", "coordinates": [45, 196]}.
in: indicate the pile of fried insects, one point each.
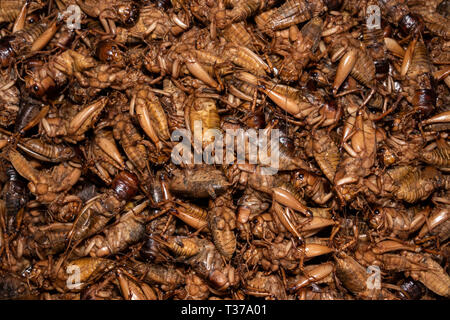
{"type": "Point", "coordinates": [94, 205]}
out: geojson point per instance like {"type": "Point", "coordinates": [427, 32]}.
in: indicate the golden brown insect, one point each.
{"type": "Point", "coordinates": [355, 60]}
{"type": "Point", "coordinates": [47, 239]}
{"type": "Point", "coordinates": [439, 156]}
{"type": "Point", "coordinates": [287, 98]}
{"type": "Point", "coordinates": [314, 274]}
{"type": "Point", "coordinates": [245, 58]}
{"type": "Point", "coordinates": [29, 39]}
{"type": "Point", "coordinates": [317, 188]}
{"type": "Point", "coordinates": [264, 227]}
{"type": "Point", "coordinates": [9, 99]}
{"type": "Point", "coordinates": [64, 277]}
{"type": "Point", "coordinates": [65, 208]}
{"type": "Point", "coordinates": [90, 269]}
{"type": "Point", "coordinates": [282, 221]}
{"type": "Point", "coordinates": [269, 287]}
{"type": "Point", "coordinates": [203, 116]}
{"type": "Point", "coordinates": [104, 155]}
{"type": "Point", "coordinates": [296, 102]}
{"type": "Point", "coordinates": [152, 24]}
{"type": "Point", "coordinates": [128, 230]}
{"type": "Point", "coordinates": [439, 122]}
{"type": "Point", "coordinates": [302, 51]}
{"type": "Point", "coordinates": [434, 277]}
{"type": "Point", "coordinates": [421, 92]}
{"type": "Point", "coordinates": [398, 222]}
{"type": "Point", "coordinates": [433, 19]}
{"type": "Point", "coordinates": [151, 116]}
{"type": "Point", "coordinates": [241, 10]}
{"type": "Point", "coordinates": [289, 157]}
{"type": "Point", "coordinates": [417, 184]}
{"type": "Point", "coordinates": [195, 289]}
{"type": "Point", "coordinates": [131, 141]}
{"type": "Point", "coordinates": [277, 188]}
{"type": "Point", "coordinates": [46, 152]}
{"type": "Point", "coordinates": [250, 205]}
{"type": "Point", "coordinates": [106, 75]}
{"type": "Point", "coordinates": [360, 156]}
{"type": "Point", "coordinates": [208, 264]}
{"type": "Point", "coordinates": [16, 10]}
{"type": "Point", "coordinates": [48, 183]}
{"type": "Point", "coordinates": [174, 100]}
{"type": "Point", "coordinates": [325, 153]}
{"type": "Point", "coordinates": [181, 247]}
{"type": "Point", "coordinates": [399, 150]}
{"type": "Point", "coordinates": [191, 214]}
{"type": "Point", "coordinates": [73, 129]}
{"type": "Point", "coordinates": [63, 38]}
{"type": "Point", "coordinates": [237, 33]}
{"type": "Point", "coordinates": [221, 223]}
{"type": "Point", "coordinates": [200, 182]}
{"type": "Point", "coordinates": [108, 12]}
{"type": "Point", "coordinates": [389, 255]}
{"type": "Point", "coordinates": [10, 9]}
{"type": "Point", "coordinates": [157, 189]}
{"type": "Point", "coordinates": [167, 276]}
{"type": "Point", "coordinates": [203, 61]}
{"type": "Point", "coordinates": [437, 224]}
{"type": "Point", "coordinates": [132, 289]}
{"type": "Point", "coordinates": [43, 78]}
{"type": "Point", "coordinates": [288, 256]}
{"type": "Point", "coordinates": [355, 278]}
{"type": "Point", "coordinates": [100, 209]}
{"type": "Point", "coordinates": [289, 13]}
